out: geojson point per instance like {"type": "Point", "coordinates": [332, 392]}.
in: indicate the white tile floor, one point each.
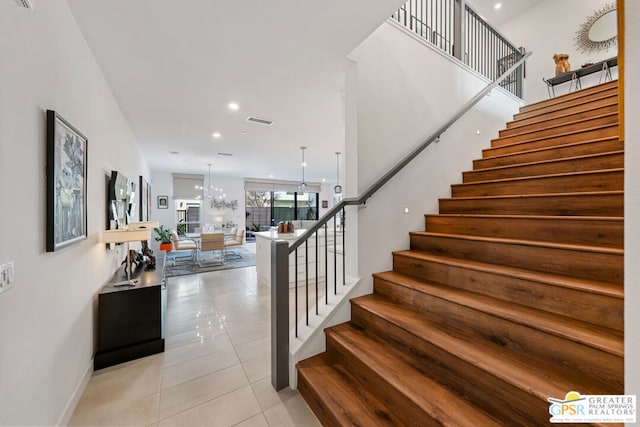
{"type": "Point", "coordinates": [215, 370]}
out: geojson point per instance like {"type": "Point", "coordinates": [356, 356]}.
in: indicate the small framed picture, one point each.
{"type": "Point", "coordinates": [325, 204]}
{"type": "Point", "coordinates": [163, 202]}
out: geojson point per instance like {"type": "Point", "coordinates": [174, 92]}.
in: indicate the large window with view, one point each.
{"type": "Point", "coordinates": [267, 208]}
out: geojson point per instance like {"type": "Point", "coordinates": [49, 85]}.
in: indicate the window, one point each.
{"type": "Point", "coordinates": [187, 216]}
{"type": "Point", "coordinates": [267, 208]}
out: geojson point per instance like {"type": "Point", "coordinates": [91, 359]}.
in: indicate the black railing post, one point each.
{"type": "Point", "coordinates": [279, 314]}
{"type": "Point", "coordinates": [520, 78]}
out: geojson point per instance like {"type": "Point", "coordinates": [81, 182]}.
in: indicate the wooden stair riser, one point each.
{"type": "Point", "coordinates": [529, 290]}
{"type": "Point", "coordinates": [368, 373]}
{"type": "Point", "coordinates": [602, 368]}
{"type": "Point", "coordinates": [571, 99]}
{"type": "Point", "coordinates": [509, 404]}
{"type": "Point", "coordinates": [605, 105]}
{"type": "Point", "coordinates": [605, 232]}
{"type": "Point", "coordinates": [371, 380]}
{"type": "Point", "coordinates": [551, 153]}
{"type": "Point", "coordinates": [613, 160]}
{"type": "Point", "coordinates": [324, 413]}
{"type": "Point", "coordinates": [610, 119]}
{"type": "Point", "coordinates": [336, 398]}
{"type": "Point", "coordinates": [586, 204]}
{"type": "Point", "coordinates": [553, 141]}
{"type": "Point", "coordinates": [612, 180]}
{"type": "Point", "coordinates": [605, 265]}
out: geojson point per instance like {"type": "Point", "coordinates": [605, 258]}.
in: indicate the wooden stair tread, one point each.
{"type": "Point", "coordinates": [614, 219]}
{"type": "Point", "coordinates": [542, 138]}
{"type": "Point", "coordinates": [544, 162]}
{"type": "Point", "coordinates": [600, 338]}
{"type": "Point", "coordinates": [559, 151]}
{"type": "Point", "coordinates": [535, 177]}
{"type": "Point", "coordinates": [581, 230]}
{"type": "Point", "coordinates": [601, 88]}
{"type": "Point", "coordinates": [611, 290]}
{"type": "Point", "coordinates": [533, 376]}
{"type": "Point", "coordinates": [522, 242]}
{"type": "Point", "coordinates": [525, 196]}
{"type": "Point", "coordinates": [439, 402]}
{"type": "Point", "coordinates": [338, 391]}
{"type": "Point", "coordinates": [560, 125]}
{"type": "Point", "coordinates": [555, 147]}
{"type": "Point", "coordinates": [559, 114]}
{"type": "Point", "coordinates": [599, 203]}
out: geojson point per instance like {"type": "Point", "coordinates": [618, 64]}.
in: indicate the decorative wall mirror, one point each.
{"type": "Point", "coordinates": [600, 31]}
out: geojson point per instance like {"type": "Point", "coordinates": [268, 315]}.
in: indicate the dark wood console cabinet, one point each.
{"type": "Point", "coordinates": [131, 319]}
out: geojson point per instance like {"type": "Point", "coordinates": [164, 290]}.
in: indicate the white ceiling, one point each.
{"type": "Point", "coordinates": [175, 65]}
{"type": "Point", "coordinates": [509, 9]}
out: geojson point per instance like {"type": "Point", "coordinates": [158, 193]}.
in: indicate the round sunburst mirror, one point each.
{"type": "Point", "coordinates": [600, 31]}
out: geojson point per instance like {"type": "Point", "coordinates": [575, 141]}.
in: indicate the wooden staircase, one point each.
{"type": "Point", "coordinates": [511, 295]}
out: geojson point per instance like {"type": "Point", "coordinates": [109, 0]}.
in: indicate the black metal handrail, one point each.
{"type": "Point", "coordinates": [398, 167]}
{"type": "Point", "coordinates": [280, 249]}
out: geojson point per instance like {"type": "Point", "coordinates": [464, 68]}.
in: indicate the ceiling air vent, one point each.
{"type": "Point", "coordinates": [259, 120]}
{"type": "Point", "coordinates": [25, 3]}
{"type": "Point", "coordinates": [225, 154]}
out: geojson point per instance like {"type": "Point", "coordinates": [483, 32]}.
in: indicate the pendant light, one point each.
{"type": "Point", "coordinates": [302, 188]}
{"type": "Point", "coordinates": [338, 188]}
{"type": "Point", "coordinates": [210, 191]}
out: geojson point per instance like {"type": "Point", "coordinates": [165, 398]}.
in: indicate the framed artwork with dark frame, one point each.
{"type": "Point", "coordinates": [149, 201]}
{"type": "Point", "coordinates": [66, 183]}
{"type": "Point", "coordinates": [144, 199]}
{"type": "Point", "coordinates": [163, 202]}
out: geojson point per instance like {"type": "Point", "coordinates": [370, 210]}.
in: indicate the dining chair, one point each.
{"type": "Point", "coordinates": [212, 242]}
{"type": "Point", "coordinates": [184, 245]}
{"type": "Point", "coordinates": [237, 240]}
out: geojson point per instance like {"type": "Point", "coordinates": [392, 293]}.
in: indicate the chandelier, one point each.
{"type": "Point", "coordinates": [210, 192]}
{"type": "Point", "coordinates": [216, 195]}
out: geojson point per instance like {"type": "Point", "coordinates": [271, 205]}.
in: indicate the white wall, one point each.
{"type": "Point", "coordinates": [548, 28]}
{"type": "Point", "coordinates": [47, 320]}
{"type": "Point", "coordinates": [406, 90]}
{"type": "Point", "coordinates": [162, 185]}
{"type": "Point", "coordinates": [632, 198]}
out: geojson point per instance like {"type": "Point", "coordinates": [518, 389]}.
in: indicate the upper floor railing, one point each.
{"type": "Point", "coordinates": [455, 28]}
{"type": "Point", "coordinates": [320, 234]}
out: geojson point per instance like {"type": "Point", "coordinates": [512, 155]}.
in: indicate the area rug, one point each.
{"type": "Point", "coordinates": [180, 264]}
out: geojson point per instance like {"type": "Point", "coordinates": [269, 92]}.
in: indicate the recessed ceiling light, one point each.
{"type": "Point", "coordinates": [174, 152]}
{"type": "Point", "coordinates": [324, 179]}
{"type": "Point", "coordinates": [233, 106]}
{"type": "Point", "coordinates": [216, 135]}
{"type": "Point", "coordinates": [270, 175]}
{"type": "Point", "coordinates": [244, 132]}
{"type": "Point", "coordinates": [497, 6]}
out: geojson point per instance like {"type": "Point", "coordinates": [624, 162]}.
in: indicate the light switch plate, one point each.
{"type": "Point", "coordinates": [6, 276]}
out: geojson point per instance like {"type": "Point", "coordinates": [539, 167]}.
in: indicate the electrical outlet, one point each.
{"type": "Point", "coordinates": [6, 276]}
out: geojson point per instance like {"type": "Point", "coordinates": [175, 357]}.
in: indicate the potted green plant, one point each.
{"type": "Point", "coordinates": [164, 237]}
